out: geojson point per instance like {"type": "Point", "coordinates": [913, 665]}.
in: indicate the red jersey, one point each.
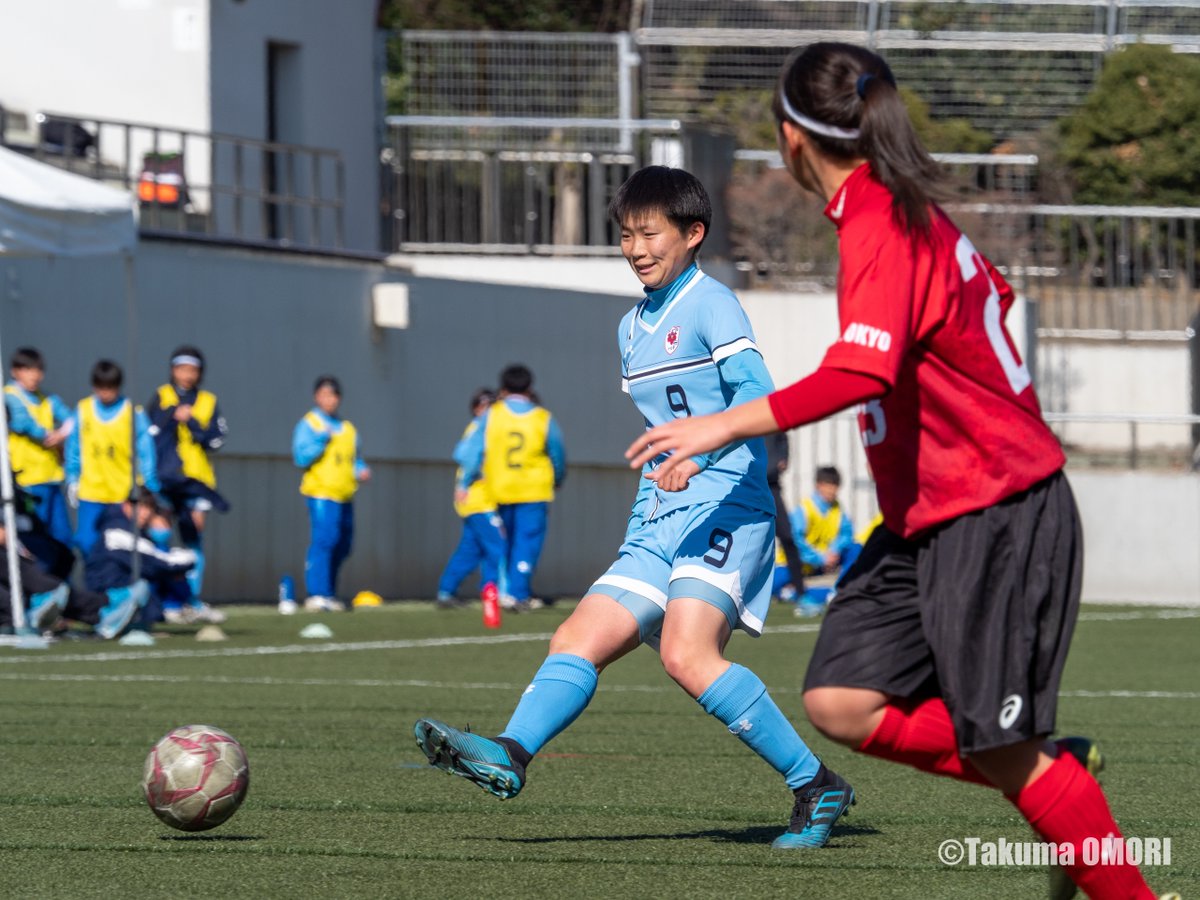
{"type": "Point", "coordinates": [960, 428]}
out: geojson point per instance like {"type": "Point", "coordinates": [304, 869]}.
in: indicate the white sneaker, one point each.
{"type": "Point", "coordinates": [176, 617]}
{"type": "Point", "coordinates": [324, 604]}
{"type": "Point", "coordinates": [210, 615]}
{"type": "Point", "coordinates": [509, 602]}
{"type": "Point", "coordinates": [288, 607]}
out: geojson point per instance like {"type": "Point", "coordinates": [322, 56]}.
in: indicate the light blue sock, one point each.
{"type": "Point", "coordinates": [195, 575]}
{"type": "Point", "coordinates": [559, 692]}
{"type": "Point", "coordinates": [739, 699]}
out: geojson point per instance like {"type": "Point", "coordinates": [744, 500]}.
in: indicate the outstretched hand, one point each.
{"type": "Point", "coordinates": [682, 439]}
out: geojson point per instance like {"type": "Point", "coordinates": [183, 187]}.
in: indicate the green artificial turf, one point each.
{"type": "Point", "coordinates": [645, 796]}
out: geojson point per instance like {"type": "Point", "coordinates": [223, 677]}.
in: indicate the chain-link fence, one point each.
{"type": "Point", "coordinates": [518, 74]}
{"type": "Point", "coordinates": [1007, 68]}
{"type": "Point", "coordinates": [515, 142]}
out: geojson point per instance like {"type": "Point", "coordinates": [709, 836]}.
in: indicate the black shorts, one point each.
{"type": "Point", "coordinates": [979, 611]}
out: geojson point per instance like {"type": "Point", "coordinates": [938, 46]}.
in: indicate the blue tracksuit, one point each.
{"type": "Point", "coordinates": [49, 503]}
{"type": "Point", "coordinates": [331, 524]}
{"type": "Point", "coordinates": [109, 564]}
{"type": "Point", "coordinates": [482, 543]}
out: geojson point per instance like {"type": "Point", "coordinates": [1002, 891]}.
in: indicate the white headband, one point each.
{"type": "Point", "coordinates": [185, 360]}
{"type": "Point", "coordinates": [846, 134]}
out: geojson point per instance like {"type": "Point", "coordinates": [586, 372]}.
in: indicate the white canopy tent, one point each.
{"type": "Point", "coordinates": [47, 212]}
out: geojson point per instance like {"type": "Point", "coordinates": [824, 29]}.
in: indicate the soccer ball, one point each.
{"type": "Point", "coordinates": [196, 777]}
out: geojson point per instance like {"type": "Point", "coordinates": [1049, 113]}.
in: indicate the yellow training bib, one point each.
{"type": "Point", "coordinates": [515, 464]}
{"type": "Point", "coordinates": [821, 530]}
{"type": "Point", "coordinates": [479, 498]}
{"type": "Point", "coordinates": [31, 462]}
{"type": "Point", "coordinates": [105, 454]}
{"type": "Point", "coordinates": [192, 456]}
{"type": "Point", "coordinates": [331, 477]}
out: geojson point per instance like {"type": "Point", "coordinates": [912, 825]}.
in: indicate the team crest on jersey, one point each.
{"type": "Point", "coordinates": [671, 342]}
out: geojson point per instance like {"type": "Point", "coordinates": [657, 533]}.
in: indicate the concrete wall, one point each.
{"type": "Point", "coordinates": [1141, 536]}
{"type": "Point", "coordinates": [1106, 377]}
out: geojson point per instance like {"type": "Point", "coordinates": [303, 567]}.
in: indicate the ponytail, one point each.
{"type": "Point", "coordinates": [845, 98]}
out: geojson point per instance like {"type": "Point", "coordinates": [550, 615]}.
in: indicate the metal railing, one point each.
{"type": "Point", "coordinates": [519, 184]}
{"type": "Point", "coordinates": [1163, 442]}
{"type": "Point", "coordinates": [1097, 272]}
{"type": "Point", "coordinates": [496, 184]}
{"type": "Point", "coordinates": [206, 184]}
{"type": "Point", "coordinates": [1175, 442]}
{"type": "Point", "coordinates": [1159, 441]}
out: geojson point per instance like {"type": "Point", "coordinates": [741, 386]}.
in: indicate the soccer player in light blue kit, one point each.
{"type": "Point", "coordinates": [698, 552]}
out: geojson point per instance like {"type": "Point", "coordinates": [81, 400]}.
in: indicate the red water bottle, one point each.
{"type": "Point", "coordinates": [491, 606]}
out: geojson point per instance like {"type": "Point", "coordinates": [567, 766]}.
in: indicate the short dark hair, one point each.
{"type": "Point", "coordinates": [107, 374]}
{"type": "Point", "coordinates": [516, 379]}
{"type": "Point", "coordinates": [828, 475]}
{"type": "Point", "coordinates": [675, 193]}
{"type": "Point", "coordinates": [483, 395]}
{"type": "Point", "coordinates": [143, 496]}
{"type": "Point", "coordinates": [27, 358]}
{"type": "Point", "coordinates": [328, 381]}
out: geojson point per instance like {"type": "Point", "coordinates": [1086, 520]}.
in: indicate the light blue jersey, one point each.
{"type": "Point", "coordinates": [688, 350]}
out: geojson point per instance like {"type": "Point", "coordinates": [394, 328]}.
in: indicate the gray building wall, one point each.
{"type": "Point", "coordinates": [270, 323]}
{"type": "Point", "coordinates": [328, 89]}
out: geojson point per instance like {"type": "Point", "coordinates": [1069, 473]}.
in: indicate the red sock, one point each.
{"type": "Point", "coordinates": [921, 735]}
{"type": "Point", "coordinates": [1066, 805]}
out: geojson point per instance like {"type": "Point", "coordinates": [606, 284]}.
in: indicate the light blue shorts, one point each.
{"type": "Point", "coordinates": [720, 553]}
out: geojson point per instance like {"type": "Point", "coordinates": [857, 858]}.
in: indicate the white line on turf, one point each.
{"type": "Point", "coordinates": [284, 650]}
{"type": "Point", "coordinates": [473, 640]}
{"type": "Point", "coordinates": [1119, 616]}
{"type": "Point", "coordinates": [294, 649]}
{"type": "Point", "coordinates": [1136, 695]}
{"type": "Point", "coordinates": [268, 681]}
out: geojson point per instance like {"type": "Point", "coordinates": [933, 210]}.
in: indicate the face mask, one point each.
{"type": "Point", "coordinates": [160, 536]}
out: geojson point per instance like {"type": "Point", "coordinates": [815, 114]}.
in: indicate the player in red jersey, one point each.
{"type": "Point", "coordinates": [947, 639]}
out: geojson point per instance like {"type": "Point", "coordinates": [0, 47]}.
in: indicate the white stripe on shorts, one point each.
{"type": "Point", "coordinates": [729, 583]}
{"type": "Point", "coordinates": [642, 588]}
